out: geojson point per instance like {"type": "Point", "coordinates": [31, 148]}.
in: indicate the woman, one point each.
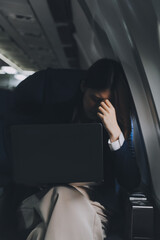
{"type": "Point", "coordinates": [78, 211]}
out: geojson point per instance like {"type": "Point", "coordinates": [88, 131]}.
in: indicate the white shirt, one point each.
{"type": "Point", "coordinates": [116, 144]}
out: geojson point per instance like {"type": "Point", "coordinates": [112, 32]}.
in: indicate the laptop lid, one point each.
{"type": "Point", "coordinates": [57, 153]}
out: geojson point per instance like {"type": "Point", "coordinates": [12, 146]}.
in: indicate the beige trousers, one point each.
{"type": "Point", "coordinates": [66, 214]}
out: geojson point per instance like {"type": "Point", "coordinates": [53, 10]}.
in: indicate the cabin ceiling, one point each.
{"type": "Point", "coordinates": [38, 34]}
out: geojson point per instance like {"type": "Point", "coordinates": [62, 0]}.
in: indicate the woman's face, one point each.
{"type": "Point", "coordinates": [92, 99]}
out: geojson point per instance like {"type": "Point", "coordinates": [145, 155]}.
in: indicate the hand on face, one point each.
{"type": "Point", "coordinates": [107, 114]}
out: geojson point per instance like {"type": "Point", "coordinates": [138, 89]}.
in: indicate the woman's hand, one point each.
{"type": "Point", "coordinates": [107, 114]}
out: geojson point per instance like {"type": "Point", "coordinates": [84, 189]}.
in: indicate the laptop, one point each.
{"type": "Point", "coordinates": [57, 153]}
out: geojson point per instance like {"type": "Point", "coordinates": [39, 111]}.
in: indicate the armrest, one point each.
{"type": "Point", "coordinates": [138, 217]}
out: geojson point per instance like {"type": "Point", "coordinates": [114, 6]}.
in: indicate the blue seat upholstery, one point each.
{"type": "Point", "coordinates": [48, 87]}
{"type": "Point", "coordinates": [34, 94]}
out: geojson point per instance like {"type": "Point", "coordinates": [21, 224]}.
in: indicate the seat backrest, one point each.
{"type": "Point", "coordinates": [48, 86]}
{"type": "Point", "coordinates": [42, 89]}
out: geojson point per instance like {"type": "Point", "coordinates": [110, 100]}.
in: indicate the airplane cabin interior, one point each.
{"type": "Point", "coordinates": [68, 36]}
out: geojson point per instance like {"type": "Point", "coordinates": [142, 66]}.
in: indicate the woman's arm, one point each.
{"type": "Point", "coordinates": [125, 166]}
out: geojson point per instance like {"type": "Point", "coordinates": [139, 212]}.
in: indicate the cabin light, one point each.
{"type": "Point", "coordinates": [9, 70]}
{"type": "Point", "coordinates": [2, 72]}
{"type": "Point", "coordinates": [27, 73]}
{"type": "Point", "coordinates": [19, 77]}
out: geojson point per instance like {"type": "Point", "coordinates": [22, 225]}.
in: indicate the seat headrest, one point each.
{"type": "Point", "coordinates": [48, 87]}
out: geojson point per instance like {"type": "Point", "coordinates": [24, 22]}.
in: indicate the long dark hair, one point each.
{"type": "Point", "coordinates": [109, 74]}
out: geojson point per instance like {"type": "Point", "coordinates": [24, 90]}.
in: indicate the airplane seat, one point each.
{"type": "Point", "coordinates": [31, 97]}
